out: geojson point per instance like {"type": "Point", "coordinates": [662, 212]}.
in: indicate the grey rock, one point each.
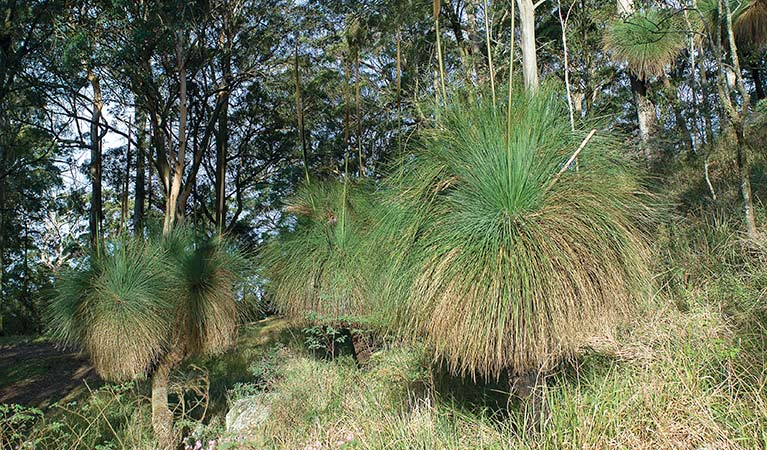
{"type": "Point", "coordinates": [248, 413]}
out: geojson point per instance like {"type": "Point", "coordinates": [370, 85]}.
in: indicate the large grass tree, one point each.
{"type": "Point", "coordinates": [648, 41]}
{"type": "Point", "coordinates": [502, 256]}
{"type": "Point", "coordinates": [315, 269]}
{"type": "Point", "coordinates": [139, 308]}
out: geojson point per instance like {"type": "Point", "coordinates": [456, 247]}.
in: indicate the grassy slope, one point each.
{"type": "Point", "coordinates": [689, 372]}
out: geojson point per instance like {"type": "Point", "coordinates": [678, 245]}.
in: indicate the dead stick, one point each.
{"type": "Point", "coordinates": [570, 161]}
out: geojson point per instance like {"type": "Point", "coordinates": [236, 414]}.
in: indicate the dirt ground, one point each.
{"type": "Point", "coordinates": [39, 374]}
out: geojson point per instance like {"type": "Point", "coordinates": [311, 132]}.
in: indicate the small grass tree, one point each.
{"type": "Point", "coordinates": [501, 257]}
{"type": "Point", "coordinates": [315, 270]}
{"type": "Point", "coordinates": [139, 308]}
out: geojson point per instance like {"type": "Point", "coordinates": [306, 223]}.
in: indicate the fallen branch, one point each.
{"type": "Point", "coordinates": [570, 161]}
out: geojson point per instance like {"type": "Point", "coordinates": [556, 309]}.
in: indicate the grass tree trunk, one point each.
{"type": "Point", "coordinates": [529, 389]}
{"type": "Point", "coordinates": [646, 118]}
{"type": "Point", "coordinates": [361, 347]}
{"type": "Point", "coordinates": [644, 105]}
{"type": "Point", "coordinates": [529, 51]}
{"type": "Point", "coordinates": [162, 416]}
{"type": "Point", "coordinates": [95, 165]}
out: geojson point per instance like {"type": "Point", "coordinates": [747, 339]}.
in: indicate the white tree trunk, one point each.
{"type": "Point", "coordinates": [529, 55]}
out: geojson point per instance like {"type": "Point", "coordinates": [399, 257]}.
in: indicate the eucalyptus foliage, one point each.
{"type": "Point", "coordinates": [495, 267]}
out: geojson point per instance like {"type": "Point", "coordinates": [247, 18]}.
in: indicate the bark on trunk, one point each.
{"type": "Point", "coordinates": [646, 118]}
{"type": "Point", "coordinates": [3, 158]}
{"type": "Point", "coordinates": [173, 209]}
{"type": "Point", "coordinates": [126, 184]}
{"type": "Point", "coordinates": [744, 172]}
{"type": "Point", "coordinates": [758, 88]}
{"type": "Point", "coordinates": [162, 417]}
{"type": "Point", "coordinates": [300, 118]}
{"type": "Point", "coordinates": [358, 102]}
{"type": "Point", "coordinates": [222, 142]}
{"type": "Point", "coordinates": [529, 53]}
{"type": "Point", "coordinates": [681, 123]}
{"type": "Point", "coordinates": [95, 165]}
{"type": "Point", "coordinates": [140, 189]}
{"type": "Point", "coordinates": [737, 119]}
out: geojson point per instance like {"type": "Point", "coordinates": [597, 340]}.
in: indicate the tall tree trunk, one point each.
{"type": "Point", "coordinates": [681, 123]}
{"type": "Point", "coordinates": [358, 101]}
{"type": "Point", "coordinates": [758, 87]}
{"type": "Point", "coordinates": [300, 117]}
{"type": "Point", "coordinates": [3, 160]}
{"type": "Point", "coordinates": [399, 90]}
{"type": "Point", "coordinates": [222, 141]}
{"type": "Point", "coordinates": [744, 173]}
{"type": "Point", "coordinates": [126, 183]}
{"type": "Point", "coordinates": [95, 165]}
{"type": "Point", "coordinates": [737, 119]}
{"type": "Point", "coordinates": [529, 51]}
{"type": "Point", "coordinates": [173, 208]}
{"type": "Point", "coordinates": [347, 108]}
{"type": "Point", "coordinates": [140, 188]}
{"type": "Point", "coordinates": [625, 8]}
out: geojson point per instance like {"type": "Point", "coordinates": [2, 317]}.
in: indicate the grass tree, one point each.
{"type": "Point", "coordinates": [140, 308]}
{"type": "Point", "coordinates": [315, 270]}
{"type": "Point", "coordinates": [648, 41]}
{"type": "Point", "coordinates": [503, 257]}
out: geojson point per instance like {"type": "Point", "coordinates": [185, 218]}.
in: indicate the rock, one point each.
{"type": "Point", "coordinates": [248, 413]}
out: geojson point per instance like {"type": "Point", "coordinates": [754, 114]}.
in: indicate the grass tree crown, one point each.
{"type": "Point", "coordinates": [314, 268]}
{"type": "Point", "coordinates": [133, 301]}
{"type": "Point", "coordinates": [648, 41]}
{"type": "Point", "coordinates": [500, 268]}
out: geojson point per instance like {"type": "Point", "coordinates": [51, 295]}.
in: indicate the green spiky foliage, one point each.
{"type": "Point", "coordinates": [119, 307]}
{"type": "Point", "coordinates": [208, 270]}
{"type": "Point", "coordinates": [134, 301]}
{"type": "Point", "coordinates": [314, 270]}
{"type": "Point", "coordinates": [492, 268]}
{"type": "Point", "coordinates": [647, 41]}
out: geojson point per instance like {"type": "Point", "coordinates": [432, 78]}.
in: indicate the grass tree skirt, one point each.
{"type": "Point", "coordinates": [315, 270]}
{"type": "Point", "coordinates": [500, 258]}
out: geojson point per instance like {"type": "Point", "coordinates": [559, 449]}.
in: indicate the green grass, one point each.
{"type": "Point", "coordinates": [689, 371]}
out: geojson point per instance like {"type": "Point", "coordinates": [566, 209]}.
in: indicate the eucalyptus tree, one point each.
{"type": "Point", "coordinates": [29, 138]}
